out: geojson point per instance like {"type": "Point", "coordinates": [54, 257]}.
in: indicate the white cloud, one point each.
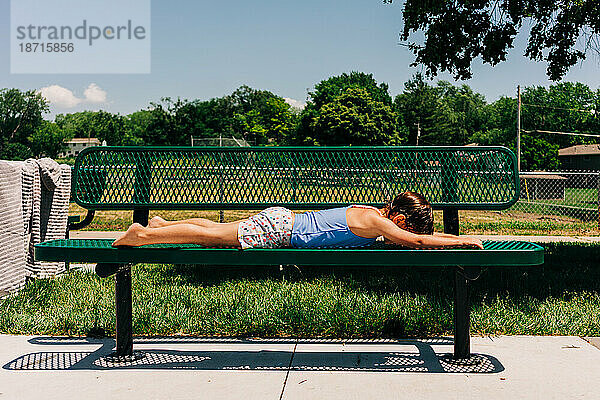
{"type": "Point", "coordinates": [64, 98]}
{"type": "Point", "coordinates": [60, 97]}
{"type": "Point", "coordinates": [93, 94]}
{"type": "Point", "coordinates": [295, 103]}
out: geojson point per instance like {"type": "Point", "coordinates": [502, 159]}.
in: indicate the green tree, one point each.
{"type": "Point", "coordinates": [256, 115]}
{"type": "Point", "coordinates": [456, 32]}
{"type": "Point", "coordinates": [99, 124]}
{"type": "Point", "coordinates": [281, 120]}
{"type": "Point", "coordinates": [215, 117]}
{"type": "Point", "coordinates": [173, 122]}
{"type": "Point", "coordinates": [329, 89]}
{"type": "Point", "coordinates": [354, 117]}
{"type": "Point", "coordinates": [445, 114]}
{"type": "Point", "coordinates": [136, 126]}
{"type": "Point", "coordinates": [261, 116]}
{"type": "Point", "coordinates": [328, 92]}
{"type": "Point", "coordinates": [15, 152]}
{"type": "Point", "coordinates": [251, 127]}
{"type": "Point", "coordinates": [20, 115]}
{"type": "Point", "coordinates": [269, 121]}
{"type": "Point", "coordinates": [48, 140]}
{"type": "Point", "coordinates": [563, 107]}
{"type": "Point", "coordinates": [500, 126]}
{"type": "Point", "coordinates": [538, 154]}
{"type": "Point", "coordinates": [419, 107]}
{"type": "Point", "coordinates": [465, 109]}
{"type": "Point", "coordinates": [159, 123]}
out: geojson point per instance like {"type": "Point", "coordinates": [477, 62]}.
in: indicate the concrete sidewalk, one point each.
{"type": "Point", "coordinates": [536, 239]}
{"type": "Point", "coordinates": [511, 367]}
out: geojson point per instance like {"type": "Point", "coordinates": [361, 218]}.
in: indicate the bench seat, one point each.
{"type": "Point", "coordinates": [495, 254]}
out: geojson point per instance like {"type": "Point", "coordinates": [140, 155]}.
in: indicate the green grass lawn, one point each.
{"type": "Point", "coordinates": [559, 298]}
{"type": "Point", "coordinates": [577, 203]}
{"type": "Point", "coordinates": [582, 198]}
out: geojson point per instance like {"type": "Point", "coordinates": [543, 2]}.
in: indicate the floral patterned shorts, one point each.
{"type": "Point", "coordinates": [269, 229]}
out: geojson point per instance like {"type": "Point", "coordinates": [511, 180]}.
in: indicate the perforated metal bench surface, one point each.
{"type": "Point", "coordinates": [300, 178]}
{"type": "Point", "coordinates": [495, 254]}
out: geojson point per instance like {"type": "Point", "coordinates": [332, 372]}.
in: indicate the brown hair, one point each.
{"type": "Point", "coordinates": [416, 209]}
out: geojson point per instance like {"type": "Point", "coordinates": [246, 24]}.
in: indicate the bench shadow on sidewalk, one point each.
{"type": "Point", "coordinates": [424, 359]}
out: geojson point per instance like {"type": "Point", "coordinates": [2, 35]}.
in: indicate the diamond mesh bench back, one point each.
{"type": "Point", "coordinates": [293, 177]}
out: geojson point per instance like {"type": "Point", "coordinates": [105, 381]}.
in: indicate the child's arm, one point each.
{"type": "Point", "coordinates": [391, 232]}
{"type": "Point", "coordinates": [444, 234]}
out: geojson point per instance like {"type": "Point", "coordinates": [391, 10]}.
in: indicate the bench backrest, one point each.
{"type": "Point", "coordinates": [293, 177]}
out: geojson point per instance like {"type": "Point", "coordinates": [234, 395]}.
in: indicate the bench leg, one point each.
{"type": "Point", "coordinates": [123, 301]}
{"type": "Point", "coordinates": [124, 349]}
{"type": "Point", "coordinates": [123, 307]}
{"type": "Point", "coordinates": [462, 313]}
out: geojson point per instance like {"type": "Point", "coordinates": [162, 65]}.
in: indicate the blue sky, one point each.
{"type": "Point", "coordinates": [203, 49]}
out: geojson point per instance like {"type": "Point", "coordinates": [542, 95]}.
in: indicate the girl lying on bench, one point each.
{"type": "Point", "coordinates": [407, 220]}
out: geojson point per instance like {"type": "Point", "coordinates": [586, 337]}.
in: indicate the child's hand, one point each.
{"type": "Point", "coordinates": [472, 242]}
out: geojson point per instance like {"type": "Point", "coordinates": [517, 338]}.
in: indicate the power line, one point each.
{"type": "Point", "coordinates": [559, 108]}
{"type": "Point", "coordinates": [564, 133]}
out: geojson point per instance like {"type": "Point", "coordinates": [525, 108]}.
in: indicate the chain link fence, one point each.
{"type": "Point", "coordinates": [562, 194]}
{"type": "Point", "coordinates": [220, 142]}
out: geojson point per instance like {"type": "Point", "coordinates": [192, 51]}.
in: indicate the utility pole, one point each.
{"type": "Point", "coordinates": [519, 128]}
{"type": "Point", "coordinates": [418, 124]}
{"type": "Point", "coordinates": [221, 212]}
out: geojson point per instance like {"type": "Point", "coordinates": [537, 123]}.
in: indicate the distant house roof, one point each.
{"type": "Point", "coordinates": [83, 140]}
{"type": "Point", "coordinates": [580, 150]}
{"type": "Point", "coordinates": [541, 176]}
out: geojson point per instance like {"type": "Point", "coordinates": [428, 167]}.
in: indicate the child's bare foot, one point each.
{"type": "Point", "coordinates": [156, 222]}
{"type": "Point", "coordinates": [132, 237]}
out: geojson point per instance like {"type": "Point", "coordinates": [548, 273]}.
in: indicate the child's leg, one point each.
{"type": "Point", "coordinates": [157, 222]}
{"type": "Point", "coordinates": [221, 235]}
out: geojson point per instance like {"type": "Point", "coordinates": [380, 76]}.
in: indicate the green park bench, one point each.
{"type": "Point", "coordinates": [300, 178]}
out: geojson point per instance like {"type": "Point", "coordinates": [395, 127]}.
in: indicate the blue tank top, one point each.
{"type": "Point", "coordinates": [325, 228]}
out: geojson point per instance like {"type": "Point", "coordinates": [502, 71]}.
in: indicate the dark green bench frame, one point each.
{"type": "Point", "coordinates": [144, 178]}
